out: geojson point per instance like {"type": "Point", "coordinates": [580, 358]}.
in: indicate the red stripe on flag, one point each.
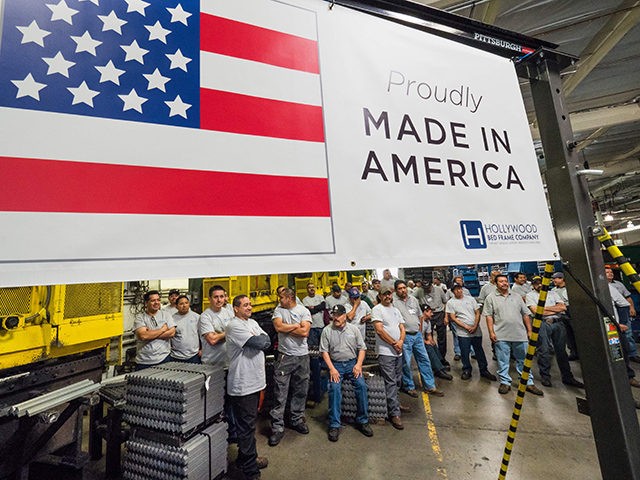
{"type": "Point", "coordinates": [34, 185]}
{"type": "Point", "coordinates": [242, 40]}
{"type": "Point", "coordinates": [237, 113]}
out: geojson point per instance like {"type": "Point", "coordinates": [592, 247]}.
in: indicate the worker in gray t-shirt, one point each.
{"type": "Point", "coordinates": [509, 328]}
{"type": "Point", "coordinates": [343, 350]}
{"type": "Point", "coordinates": [246, 342]}
{"type": "Point", "coordinates": [185, 345]}
{"type": "Point", "coordinates": [153, 329]}
{"type": "Point", "coordinates": [211, 328]}
{"type": "Point", "coordinates": [291, 376]}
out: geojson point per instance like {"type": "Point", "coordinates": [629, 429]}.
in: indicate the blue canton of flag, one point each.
{"type": "Point", "coordinates": [121, 59]}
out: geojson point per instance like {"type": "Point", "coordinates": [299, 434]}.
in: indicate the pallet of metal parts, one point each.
{"type": "Point", "coordinates": [377, 398]}
{"type": "Point", "coordinates": [175, 397]}
{"type": "Point", "coordinates": [314, 352]}
{"type": "Point", "coordinates": [203, 456]}
{"type": "Point", "coordinates": [370, 342]}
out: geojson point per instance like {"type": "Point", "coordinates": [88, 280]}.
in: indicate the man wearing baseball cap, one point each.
{"type": "Point", "coordinates": [358, 311]}
{"type": "Point", "coordinates": [343, 350]}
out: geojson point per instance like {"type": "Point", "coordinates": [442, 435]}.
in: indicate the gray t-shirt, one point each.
{"type": "Point", "coordinates": [418, 292]}
{"type": "Point", "coordinates": [388, 283]}
{"type": "Point", "coordinates": [436, 299]}
{"type": "Point", "coordinates": [214, 322]}
{"type": "Point", "coordinates": [373, 295]}
{"type": "Point", "coordinates": [342, 344]}
{"type": "Point", "coordinates": [246, 365]}
{"type": "Point", "coordinates": [290, 344]}
{"type": "Point", "coordinates": [621, 288]}
{"type": "Point", "coordinates": [465, 311]}
{"type": "Point", "coordinates": [391, 319]}
{"type": "Point", "coordinates": [486, 289]}
{"type": "Point", "coordinates": [507, 312]}
{"type": "Point", "coordinates": [410, 310]}
{"type": "Point", "coordinates": [152, 352]}
{"type": "Point", "coordinates": [317, 318]}
{"type": "Point", "coordinates": [186, 342]}
{"type": "Point", "coordinates": [617, 298]}
{"type": "Point", "coordinates": [363, 310]}
{"type": "Point", "coordinates": [562, 293]}
{"type": "Point", "coordinates": [521, 290]}
{"type": "Point", "coordinates": [170, 309]}
{"type": "Point", "coordinates": [531, 299]}
{"type": "Point", "coordinates": [333, 301]}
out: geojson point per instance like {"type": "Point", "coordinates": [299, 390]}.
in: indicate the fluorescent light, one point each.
{"type": "Point", "coordinates": [628, 229]}
{"type": "Point", "coordinates": [608, 217]}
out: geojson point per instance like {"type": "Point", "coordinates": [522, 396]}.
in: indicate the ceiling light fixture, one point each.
{"type": "Point", "coordinates": [608, 217]}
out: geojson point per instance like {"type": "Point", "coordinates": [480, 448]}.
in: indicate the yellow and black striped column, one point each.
{"type": "Point", "coordinates": [522, 387]}
{"type": "Point", "coordinates": [620, 259]}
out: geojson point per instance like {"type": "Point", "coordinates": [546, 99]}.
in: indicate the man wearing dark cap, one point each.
{"type": "Point", "coordinates": [375, 291]}
{"type": "Point", "coordinates": [552, 331]}
{"type": "Point", "coordinates": [358, 311]}
{"type": "Point", "coordinates": [171, 307]}
{"type": "Point", "coordinates": [561, 290]}
{"type": "Point", "coordinates": [343, 350]}
{"type": "Point", "coordinates": [335, 297]}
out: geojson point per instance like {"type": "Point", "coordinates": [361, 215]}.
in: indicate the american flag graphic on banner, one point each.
{"type": "Point", "coordinates": [165, 121]}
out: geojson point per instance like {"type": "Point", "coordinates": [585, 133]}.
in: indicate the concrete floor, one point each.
{"type": "Point", "coordinates": [459, 436]}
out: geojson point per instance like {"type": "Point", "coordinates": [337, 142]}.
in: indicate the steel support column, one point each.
{"type": "Point", "coordinates": [611, 406]}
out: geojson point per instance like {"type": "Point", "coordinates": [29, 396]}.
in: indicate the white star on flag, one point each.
{"type": "Point", "coordinates": [136, 6]}
{"type": "Point", "coordinates": [132, 101]}
{"type": "Point", "coordinates": [178, 14]}
{"type": "Point", "coordinates": [112, 22]}
{"type": "Point", "coordinates": [86, 44]}
{"type": "Point", "coordinates": [156, 80]}
{"type": "Point", "coordinates": [134, 52]}
{"type": "Point", "coordinates": [109, 73]}
{"type": "Point", "coordinates": [82, 94]}
{"type": "Point", "coordinates": [62, 11]}
{"type": "Point", "coordinates": [28, 87]}
{"type": "Point", "coordinates": [178, 60]}
{"type": "Point", "coordinates": [33, 33]}
{"type": "Point", "coordinates": [58, 64]}
{"type": "Point", "coordinates": [95, 2]}
{"type": "Point", "coordinates": [178, 107]}
{"type": "Point", "coordinates": [157, 32]}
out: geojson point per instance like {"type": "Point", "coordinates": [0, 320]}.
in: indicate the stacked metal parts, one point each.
{"type": "Point", "coordinates": [370, 342]}
{"type": "Point", "coordinates": [203, 456]}
{"type": "Point", "coordinates": [175, 409]}
{"type": "Point", "coordinates": [377, 398]}
{"type": "Point", "coordinates": [174, 397]}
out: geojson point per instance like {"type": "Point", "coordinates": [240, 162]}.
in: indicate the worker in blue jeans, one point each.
{"type": "Point", "coordinates": [343, 350]}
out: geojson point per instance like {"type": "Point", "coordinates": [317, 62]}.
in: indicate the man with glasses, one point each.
{"type": "Point", "coordinates": [153, 329]}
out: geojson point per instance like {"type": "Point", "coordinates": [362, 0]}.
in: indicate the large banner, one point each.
{"type": "Point", "coordinates": [182, 139]}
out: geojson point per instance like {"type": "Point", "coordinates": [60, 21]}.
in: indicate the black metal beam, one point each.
{"type": "Point", "coordinates": [454, 27]}
{"type": "Point", "coordinates": [611, 405]}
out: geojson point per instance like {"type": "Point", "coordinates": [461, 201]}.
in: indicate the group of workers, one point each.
{"type": "Point", "coordinates": [405, 316]}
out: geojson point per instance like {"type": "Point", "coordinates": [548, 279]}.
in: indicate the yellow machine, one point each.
{"type": "Point", "coordinates": [262, 288]}
{"type": "Point", "coordinates": [41, 323]}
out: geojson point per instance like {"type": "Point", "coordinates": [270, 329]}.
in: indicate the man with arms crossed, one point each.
{"type": "Point", "coordinates": [292, 322]}
{"type": "Point", "coordinates": [246, 378]}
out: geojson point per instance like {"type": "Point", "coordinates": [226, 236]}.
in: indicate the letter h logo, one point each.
{"type": "Point", "coordinates": [472, 234]}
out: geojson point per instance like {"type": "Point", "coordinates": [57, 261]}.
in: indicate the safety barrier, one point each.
{"type": "Point", "coordinates": [524, 378]}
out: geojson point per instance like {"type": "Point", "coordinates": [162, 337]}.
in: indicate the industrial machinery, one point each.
{"type": "Point", "coordinates": [54, 342]}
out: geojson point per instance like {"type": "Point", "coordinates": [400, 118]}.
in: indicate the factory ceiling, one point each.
{"type": "Point", "coordinates": [602, 89]}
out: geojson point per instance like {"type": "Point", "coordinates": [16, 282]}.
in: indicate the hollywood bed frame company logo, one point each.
{"type": "Point", "coordinates": [476, 235]}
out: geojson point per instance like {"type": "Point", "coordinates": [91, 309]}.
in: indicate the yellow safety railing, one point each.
{"type": "Point", "coordinates": [524, 378]}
